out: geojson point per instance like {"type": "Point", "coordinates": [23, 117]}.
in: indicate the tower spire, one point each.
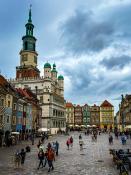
{"type": "Point", "coordinates": [30, 20]}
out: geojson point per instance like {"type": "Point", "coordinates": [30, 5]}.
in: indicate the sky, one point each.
{"type": "Point", "coordinates": [89, 40]}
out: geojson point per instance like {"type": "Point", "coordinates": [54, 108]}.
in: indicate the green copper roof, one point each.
{"type": "Point", "coordinates": [54, 65]}
{"type": "Point", "coordinates": [60, 77]}
{"type": "Point", "coordinates": [30, 20]}
{"type": "Point", "coordinates": [54, 70]}
{"type": "Point", "coordinates": [47, 65]}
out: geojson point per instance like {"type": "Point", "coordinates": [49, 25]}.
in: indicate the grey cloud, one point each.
{"type": "Point", "coordinates": [82, 33]}
{"type": "Point", "coordinates": [86, 31]}
{"type": "Point", "coordinates": [80, 78]}
{"type": "Point", "coordinates": [116, 62]}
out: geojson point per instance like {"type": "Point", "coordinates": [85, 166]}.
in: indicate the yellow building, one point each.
{"type": "Point", "coordinates": [106, 115]}
{"type": "Point", "coordinates": [69, 114]}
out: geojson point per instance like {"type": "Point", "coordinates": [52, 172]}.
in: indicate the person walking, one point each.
{"type": "Point", "coordinates": [41, 158]}
{"type": "Point", "coordinates": [23, 154]}
{"type": "Point", "coordinates": [17, 159]}
{"type": "Point", "coordinates": [68, 143]}
{"type": "Point", "coordinates": [50, 158]}
{"type": "Point", "coordinates": [110, 139]}
{"type": "Point", "coordinates": [32, 138]}
{"type": "Point", "coordinates": [57, 147]}
{"type": "Point", "coordinates": [123, 139]}
{"type": "Point", "coordinates": [81, 143]}
{"type": "Point", "coordinates": [80, 137]}
{"type": "Point", "coordinates": [71, 141]}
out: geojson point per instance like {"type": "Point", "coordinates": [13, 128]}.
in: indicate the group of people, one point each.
{"type": "Point", "coordinates": [69, 142]}
{"type": "Point", "coordinates": [47, 155]}
{"type": "Point", "coordinates": [123, 137]}
{"type": "Point", "coordinates": [19, 158]}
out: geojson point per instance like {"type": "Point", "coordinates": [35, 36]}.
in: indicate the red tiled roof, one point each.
{"type": "Point", "coordinates": [106, 104]}
{"type": "Point", "coordinates": [3, 81]}
{"type": "Point", "coordinates": [69, 105]}
{"type": "Point", "coordinates": [78, 106]}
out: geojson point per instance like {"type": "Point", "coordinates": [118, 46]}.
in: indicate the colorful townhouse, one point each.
{"type": "Point", "coordinates": [86, 114]}
{"type": "Point", "coordinates": [106, 115]}
{"type": "Point", "coordinates": [78, 117]}
{"type": "Point", "coordinates": [95, 115]}
{"type": "Point", "coordinates": [19, 111]}
{"type": "Point", "coordinates": [69, 114]}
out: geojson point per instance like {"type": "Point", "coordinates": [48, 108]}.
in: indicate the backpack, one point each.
{"type": "Point", "coordinates": [17, 157]}
{"type": "Point", "coordinates": [50, 154]}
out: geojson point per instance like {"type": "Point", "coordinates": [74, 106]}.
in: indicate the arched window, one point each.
{"type": "Point", "coordinates": [26, 45]}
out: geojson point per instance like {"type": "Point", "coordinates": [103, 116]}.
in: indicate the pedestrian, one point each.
{"type": "Point", "coordinates": [32, 138]}
{"type": "Point", "coordinates": [81, 143]}
{"type": "Point", "coordinates": [80, 137]}
{"type": "Point", "coordinates": [57, 147]}
{"type": "Point", "coordinates": [23, 154]}
{"type": "Point", "coordinates": [39, 143]}
{"type": "Point", "coordinates": [50, 158]}
{"type": "Point", "coordinates": [17, 159]}
{"type": "Point", "coordinates": [28, 149]}
{"type": "Point", "coordinates": [110, 139]}
{"type": "Point", "coordinates": [68, 143]}
{"type": "Point", "coordinates": [43, 138]}
{"type": "Point", "coordinates": [41, 158]}
{"type": "Point", "coordinates": [123, 139]}
{"type": "Point", "coordinates": [71, 141]}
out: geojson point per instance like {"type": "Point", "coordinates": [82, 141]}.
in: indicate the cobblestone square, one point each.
{"type": "Point", "coordinates": [94, 159]}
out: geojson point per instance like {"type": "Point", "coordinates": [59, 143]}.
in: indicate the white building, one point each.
{"type": "Point", "coordinates": [49, 89]}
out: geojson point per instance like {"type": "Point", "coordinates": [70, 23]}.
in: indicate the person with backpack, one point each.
{"type": "Point", "coordinates": [50, 158]}
{"type": "Point", "coordinates": [23, 154]}
{"type": "Point", "coordinates": [41, 158]}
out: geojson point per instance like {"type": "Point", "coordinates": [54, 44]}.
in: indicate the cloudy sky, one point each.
{"type": "Point", "coordinates": [89, 40]}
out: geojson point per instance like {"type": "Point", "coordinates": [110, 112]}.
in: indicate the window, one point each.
{"type": "Point", "coordinates": [53, 112]}
{"type": "Point", "coordinates": [8, 103]}
{"type": "Point", "coordinates": [8, 119]}
{"type": "Point", "coordinates": [14, 106]}
{"type": "Point", "coordinates": [35, 59]}
{"type": "Point", "coordinates": [53, 124]}
{"type": "Point", "coordinates": [13, 120]}
{"type": "Point", "coordinates": [41, 99]}
{"type": "Point", "coordinates": [20, 108]}
{"type": "Point", "coordinates": [24, 57]}
{"type": "Point", "coordinates": [1, 119]}
{"type": "Point", "coordinates": [1, 102]}
{"type": "Point", "coordinates": [26, 86]}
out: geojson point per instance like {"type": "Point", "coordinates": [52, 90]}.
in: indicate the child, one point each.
{"type": "Point", "coordinates": [17, 159]}
{"type": "Point", "coordinates": [23, 154]}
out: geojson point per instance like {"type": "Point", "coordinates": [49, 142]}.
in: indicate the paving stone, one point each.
{"type": "Point", "coordinates": [94, 159]}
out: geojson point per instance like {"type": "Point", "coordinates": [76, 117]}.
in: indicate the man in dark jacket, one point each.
{"type": "Point", "coordinates": [41, 158]}
{"type": "Point", "coordinates": [57, 147]}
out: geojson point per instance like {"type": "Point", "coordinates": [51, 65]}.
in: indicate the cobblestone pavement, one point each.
{"type": "Point", "coordinates": [94, 159]}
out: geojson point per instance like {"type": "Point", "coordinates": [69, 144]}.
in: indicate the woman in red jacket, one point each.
{"type": "Point", "coordinates": [50, 158]}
